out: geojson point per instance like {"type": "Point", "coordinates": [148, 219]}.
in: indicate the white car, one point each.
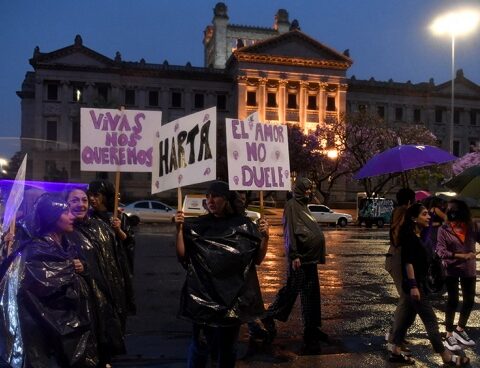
{"type": "Point", "coordinates": [149, 211]}
{"type": "Point", "coordinates": [324, 214]}
{"type": "Point", "coordinates": [196, 205]}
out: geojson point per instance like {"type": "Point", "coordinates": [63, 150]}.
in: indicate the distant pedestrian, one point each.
{"type": "Point", "coordinates": [221, 291]}
{"type": "Point", "coordinates": [305, 245]}
{"type": "Point", "coordinates": [456, 248]}
{"type": "Point", "coordinates": [414, 269]}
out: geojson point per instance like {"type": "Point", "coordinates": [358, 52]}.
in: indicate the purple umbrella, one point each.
{"type": "Point", "coordinates": [402, 158]}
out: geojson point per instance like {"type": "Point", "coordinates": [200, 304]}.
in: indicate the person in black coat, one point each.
{"type": "Point", "coordinates": [305, 244]}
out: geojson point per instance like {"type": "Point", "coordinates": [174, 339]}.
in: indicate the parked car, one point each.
{"type": "Point", "coordinates": [149, 211]}
{"type": "Point", "coordinates": [324, 214]}
{"type": "Point", "coordinates": [196, 205]}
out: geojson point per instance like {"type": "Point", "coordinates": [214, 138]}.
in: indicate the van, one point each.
{"type": "Point", "coordinates": [373, 211]}
{"type": "Point", "coordinates": [196, 205]}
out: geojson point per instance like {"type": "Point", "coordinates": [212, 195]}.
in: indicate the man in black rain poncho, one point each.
{"type": "Point", "coordinates": [46, 318]}
{"type": "Point", "coordinates": [305, 245]}
{"type": "Point", "coordinates": [219, 251]}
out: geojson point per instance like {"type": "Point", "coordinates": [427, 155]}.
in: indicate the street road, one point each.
{"type": "Point", "coordinates": [358, 299]}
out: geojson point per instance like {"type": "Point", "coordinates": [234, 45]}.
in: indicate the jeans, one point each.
{"type": "Point", "coordinates": [303, 281]}
{"type": "Point", "coordinates": [215, 342]}
{"type": "Point", "coordinates": [468, 293]}
{"type": "Point", "coordinates": [424, 309]}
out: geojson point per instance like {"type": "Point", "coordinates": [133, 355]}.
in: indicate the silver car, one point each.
{"type": "Point", "coordinates": [326, 215]}
{"type": "Point", "coordinates": [149, 211]}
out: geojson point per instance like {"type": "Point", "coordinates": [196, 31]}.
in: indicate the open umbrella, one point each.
{"type": "Point", "coordinates": [402, 158]}
{"type": "Point", "coordinates": [467, 183]}
{"type": "Point", "coordinates": [420, 195]}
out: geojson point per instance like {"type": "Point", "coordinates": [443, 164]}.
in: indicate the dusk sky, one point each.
{"type": "Point", "coordinates": [387, 38]}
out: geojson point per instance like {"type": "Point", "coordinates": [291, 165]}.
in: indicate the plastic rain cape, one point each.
{"type": "Point", "coordinates": [44, 308]}
{"type": "Point", "coordinates": [221, 286]}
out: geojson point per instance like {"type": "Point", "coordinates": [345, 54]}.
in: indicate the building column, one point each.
{"type": "Point", "coordinates": [282, 83]}
{"type": "Point", "coordinates": [341, 99]}
{"type": "Point", "coordinates": [302, 111]}
{"type": "Point", "coordinates": [321, 102]}
{"type": "Point", "coordinates": [242, 97]}
{"type": "Point", "coordinates": [261, 103]}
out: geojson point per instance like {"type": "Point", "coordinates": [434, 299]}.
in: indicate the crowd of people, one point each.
{"type": "Point", "coordinates": [66, 281]}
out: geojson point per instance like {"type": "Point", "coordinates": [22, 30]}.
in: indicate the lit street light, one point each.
{"type": "Point", "coordinates": [454, 24]}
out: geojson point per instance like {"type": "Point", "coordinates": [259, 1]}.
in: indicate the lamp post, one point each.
{"type": "Point", "coordinates": [454, 24]}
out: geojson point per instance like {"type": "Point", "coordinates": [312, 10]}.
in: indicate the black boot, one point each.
{"type": "Point", "coordinates": [315, 334]}
{"type": "Point", "coordinates": [269, 325]}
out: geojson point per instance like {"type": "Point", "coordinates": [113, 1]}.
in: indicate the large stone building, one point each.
{"type": "Point", "coordinates": [280, 72]}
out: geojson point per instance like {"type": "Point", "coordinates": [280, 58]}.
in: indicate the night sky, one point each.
{"type": "Point", "coordinates": [387, 38]}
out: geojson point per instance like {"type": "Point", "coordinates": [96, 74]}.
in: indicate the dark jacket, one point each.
{"type": "Point", "coordinates": [304, 238]}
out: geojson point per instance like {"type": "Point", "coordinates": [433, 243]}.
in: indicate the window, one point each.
{"type": "Point", "coordinates": [331, 103]}
{"type": "Point", "coordinates": [77, 92]}
{"type": "Point", "coordinates": [251, 98]}
{"type": "Point", "coordinates": [362, 108]}
{"type": "Point", "coordinates": [130, 97]}
{"type": "Point", "coordinates": [102, 93]}
{"type": "Point", "coordinates": [271, 99]}
{"type": "Point", "coordinates": [76, 131]}
{"type": "Point", "coordinates": [456, 116]}
{"type": "Point", "coordinates": [381, 111]}
{"type": "Point", "coordinates": [456, 148]}
{"type": "Point", "coordinates": [75, 169]}
{"type": "Point", "coordinates": [292, 101]}
{"type": "Point", "coordinates": [199, 101]}
{"type": "Point", "coordinates": [417, 116]}
{"type": "Point", "coordinates": [158, 206]}
{"type": "Point", "coordinates": [52, 92]}
{"type": "Point", "coordinates": [176, 99]}
{"type": "Point", "coordinates": [142, 205]}
{"type": "Point", "coordinates": [222, 101]}
{"type": "Point", "coordinates": [473, 117]}
{"type": "Point", "coordinates": [399, 114]}
{"type": "Point", "coordinates": [438, 115]}
{"type": "Point", "coordinates": [312, 102]}
{"type": "Point", "coordinates": [152, 98]}
{"type": "Point", "coordinates": [472, 146]}
{"type": "Point", "coordinates": [51, 130]}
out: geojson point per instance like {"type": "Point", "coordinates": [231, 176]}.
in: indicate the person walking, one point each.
{"type": "Point", "coordinates": [219, 251]}
{"type": "Point", "coordinates": [414, 262]}
{"type": "Point", "coordinates": [305, 245]}
{"type": "Point", "coordinates": [404, 312]}
{"type": "Point", "coordinates": [456, 248]}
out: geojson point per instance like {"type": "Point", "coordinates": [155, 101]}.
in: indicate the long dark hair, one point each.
{"type": "Point", "coordinates": [408, 226]}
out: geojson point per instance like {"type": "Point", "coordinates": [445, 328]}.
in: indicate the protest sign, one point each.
{"type": "Point", "coordinates": [117, 140]}
{"type": "Point", "coordinates": [185, 151]}
{"type": "Point", "coordinates": [257, 155]}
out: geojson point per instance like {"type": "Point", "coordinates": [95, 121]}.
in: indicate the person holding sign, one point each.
{"type": "Point", "coordinates": [101, 195]}
{"type": "Point", "coordinates": [221, 291]}
{"type": "Point", "coordinates": [305, 244]}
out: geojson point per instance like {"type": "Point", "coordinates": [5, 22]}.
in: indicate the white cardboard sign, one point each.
{"type": "Point", "coordinates": [117, 140]}
{"type": "Point", "coordinates": [185, 151]}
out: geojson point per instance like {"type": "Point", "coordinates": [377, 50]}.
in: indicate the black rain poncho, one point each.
{"type": "Point", "coordinates": [96, 244]}
{"type": "Point", "coordinates": [221, 286]}
{"type": "Point", "coordinates": [46, 317]}
{"type": "Point", "coordinates": [304, 238]}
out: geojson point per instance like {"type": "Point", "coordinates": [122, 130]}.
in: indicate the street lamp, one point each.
{"type": "Point", "coordinates": [454, 24]}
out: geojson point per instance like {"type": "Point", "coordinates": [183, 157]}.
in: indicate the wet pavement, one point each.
{"type": "Point", "coordinates": [358, 299]}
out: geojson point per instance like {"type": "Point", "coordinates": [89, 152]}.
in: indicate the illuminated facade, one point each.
{"type": "Point", "coordinates": [280, 72]}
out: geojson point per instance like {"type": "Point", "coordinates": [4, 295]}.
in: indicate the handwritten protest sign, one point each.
{"type": "Point", "coordinates": [257, 155]}
{"type": "Point", "coordinates": [185, 151]}
{"type": "Point", "coordinates": [117, 140]}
